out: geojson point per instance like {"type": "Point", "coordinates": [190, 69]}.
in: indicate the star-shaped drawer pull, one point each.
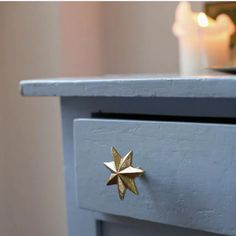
{"type": "Point", "coordinates": [122, 172]}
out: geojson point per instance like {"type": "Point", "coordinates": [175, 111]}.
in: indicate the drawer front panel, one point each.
{"type": "Point", "coordinates": [190, 171]}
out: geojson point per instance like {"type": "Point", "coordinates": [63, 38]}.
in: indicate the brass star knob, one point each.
{"type": "Point", "coordinates": [122, 172]}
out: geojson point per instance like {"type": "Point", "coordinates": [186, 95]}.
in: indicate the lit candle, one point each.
{"type": "Point", "coordinates": [203, 42]}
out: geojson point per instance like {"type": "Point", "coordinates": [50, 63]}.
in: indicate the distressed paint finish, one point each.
{"type": "Point", "coordinates": [189, 171]}
{"type": "Point", "coordinates": [88, 223]}
{"type": "Point", "coordinates": [135, 86]}
{"type": "Point", "coordinates": [196, 96]}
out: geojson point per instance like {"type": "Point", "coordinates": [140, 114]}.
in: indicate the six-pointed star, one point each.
{"type": "Point", "coordinates": [123, 173]}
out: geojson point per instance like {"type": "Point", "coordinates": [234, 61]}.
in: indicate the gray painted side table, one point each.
{"type": "Point", "coordinates": [182, 131]}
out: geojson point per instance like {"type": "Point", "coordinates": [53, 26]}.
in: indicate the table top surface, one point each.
{"type": "Point", "coordinates": [204, 86]}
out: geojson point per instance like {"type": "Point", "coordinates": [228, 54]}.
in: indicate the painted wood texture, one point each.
{"type": "Point", "coordinates": [190, 171]}
{"type": "Point", "coordinates": [135, 86]}
{"type": "Point", "coordinates": [82, 222]}
{"type": "Point", "coordinates": [147, 229]}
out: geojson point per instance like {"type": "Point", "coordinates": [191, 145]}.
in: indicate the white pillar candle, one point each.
{"type": "Point", "coordinates": [203, 42]}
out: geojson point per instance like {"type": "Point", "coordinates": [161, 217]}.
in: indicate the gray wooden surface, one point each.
{"type": "Point", "coordinates": [83, 222]}
{"type": "Point", "coordinates": [190, 171]}
{"type": "Point", "coordinates": [147, 229]}
{"type": "Point", "coordinates": [145, 94]}
{"type": "Point", "coordinates": [135, 86]}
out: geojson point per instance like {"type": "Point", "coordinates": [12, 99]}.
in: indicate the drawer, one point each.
{"type": "Point", "coordinates": [190, 171]}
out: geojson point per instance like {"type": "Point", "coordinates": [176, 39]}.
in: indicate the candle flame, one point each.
{"type": "Point", "coordinates": [202, 19]}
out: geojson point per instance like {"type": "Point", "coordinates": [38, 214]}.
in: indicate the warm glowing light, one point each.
{"type": "Point", "coordinates": [202, 19]}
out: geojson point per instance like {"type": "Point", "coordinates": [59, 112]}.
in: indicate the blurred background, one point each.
{"type": "Point", "coordinates": [44, 40]}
